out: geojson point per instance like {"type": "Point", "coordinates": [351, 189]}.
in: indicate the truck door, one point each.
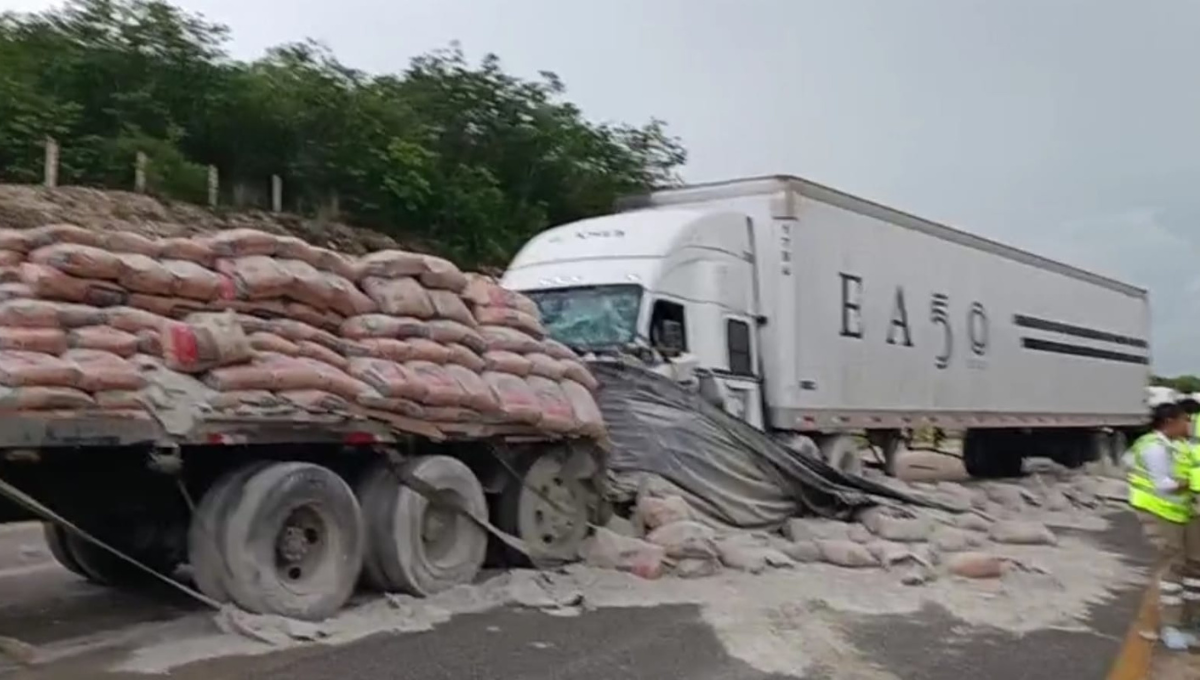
{"type": "Point", "coordinates": [743, 385]}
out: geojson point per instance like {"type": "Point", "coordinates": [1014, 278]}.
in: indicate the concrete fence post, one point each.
{"type": "Point", "coordinates": [276, 193]}
{"type": "Point", "coordinates": [50, 170]}
{"type": "Point", "coordinates": [213, 186]}
{"type": "Point", "coordinates": [139, 173]}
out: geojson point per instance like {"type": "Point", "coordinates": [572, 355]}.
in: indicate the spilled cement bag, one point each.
{"type": "Point", "coordinates": [504, 339]}
{"type": "Point", "coordinates": [685, 539]}
{"type": "Point", "coordinates": [384, 326]}
{"type": "Point", "coordinates": [557, 413]}
{"type": "Point", "coordinates": [142, 274]}
{"type": "Point", "coordinates": [476, 393]}
{"type": "Point", "coordinates": [390, 264]}
{"type": "Point", "coordinates": [21, 369]}
{"type": "Point", "coordinates": [204, 341]}
{"type": "Point", "coordinates": [507, 362]}
{"type": "Point", "coordinates": [35, 398]}
{"type": "Point", "coordinates": [105, 338]}
{"type": "Point", "coordinates": [399, 297]}
{"type": "Point", "coordinates": [44, 340]}
{"type": "Point", "coordinates": [654, 512]}
{"type": "Point", "coordinates": [442, 274]}
{"type": "Point", "coordinates": [388, 378]}
{"type": "Point", "coordinates": [85, 262]}
{"type": "Point", "coordinates": [448, 305]}
{"type": "Point", "coordinates": [101, 371]}
{"type": "Point", "coordinates": [517, 401]}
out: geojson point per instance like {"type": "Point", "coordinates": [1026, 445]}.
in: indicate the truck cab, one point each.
{"type": "Point", "coordinates": [679, 281]}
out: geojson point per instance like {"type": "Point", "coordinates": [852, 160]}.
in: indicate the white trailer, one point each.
{"type": "Point", "coordinates": [825, 314]}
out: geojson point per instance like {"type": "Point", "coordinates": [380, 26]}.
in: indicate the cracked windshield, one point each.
{"type": "Point", "coordinates": [590, 318]}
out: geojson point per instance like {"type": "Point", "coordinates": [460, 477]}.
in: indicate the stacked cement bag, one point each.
{"type": "Point", "coordinates": [268, 322]}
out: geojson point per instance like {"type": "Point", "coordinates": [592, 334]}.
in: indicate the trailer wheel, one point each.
{"type": "Point", "coordinates": [293, 542]}
{"type": "Point", "coordinates": [205, 554]}
{"type": "Point", "coordinates": [841, 452]}
{"type": "Point", "coordinates": [552, 530]}
{"type": "Point", "coordinates": [417, 546]}
{"type": "Point", "coordinates": [56, 542]}
{"type": "Point", "coordinates": [102, 567]}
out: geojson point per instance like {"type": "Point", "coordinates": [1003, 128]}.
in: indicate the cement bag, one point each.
{"type": "Point", "coordinates": [442, 274]}
{"type": "Point", "coordinates": [18, 399]}
{"type": "Point", "coordinates": [257, 277]}
{"type": "Point", "coordinates": [351, 348]}
{"type": "Point", "coordinates": [476, 393]}
{"type": "Point", "coordinates": [511, 318]}
{"type": "Point", "coordinates": [402, 407]}
{"type": "Point", "coordinates": [269, 342]}
{"type": "Point", "coordinates": [84, 262]}
{"type": "Point", "coordinates": [440, 388]}
{"type": "Point", "coordinates": [133, 320]}
{"type": "Point", "coordinates": [242, 243]}
{"type": "Point", "coordinates": [196, 282]}
{"type": "Point", "coordinates": [388, 378]}
{"type": "Point", "coordinates": [29, 314]}
{"type": "Point", "coordinates": [507, 362]}
{"type": "Point", "coordinates": [345, 297]}
{"type": "Point", "coordinates": [546, 366]}
{"type": "Point", "coordinates": [51, 234]}
{"type": "Point", "coordinates": [975, 565]}
{"type": "Point", "coordinates": [119, 400]}
{"type": "Point", "coordinates": [257, 399]}
{"type": "Point", "coordinates": [319, 352]}
{"type": "Point", "coordinates": [951, 539]}
{"type": "Point", "coordinates": [203, 342]}
{"type": "Point", "coordinates": [847, 554]}
{"type": "Point", "coordinates": [149, 342]}
{"type": "Point", "coordinates": [448, 305]}
{"type": "Point", "coordinates": [15, 291]}
{"type": "Point", "coordinates": [334, 380]}
{"type": "Point", "coordinates": [507, 339]}
{"type": "Point", "coordinates": [104, 338]}
{"type": "Point", "coordinates": [310, 286]}
{"type": "Point", "coordinates": [517, 401]}
{"type": "Point", "coordinates": [557, 350]}
{"type": "Point", "coordinates": [131, 243]}
{"type": "Point", "coordinates": [465, 356]}
{"type": "Point", "coordinates": [427, 350]}
{"type": "Point", "coordinates": [587, 412]}
{"type": "Point", "coordinates": [15, 240]}
{"type": "Point", "coordinates": [168, 307]}
{"type": "Point", "coordinates": [323, 259]}
{"type": "Point", "coordinates": [654, 512]}
{"type": "Point", "coordinates": [19, 369]}
{"type": "Point", "coordinates": [315, 401]}
{"type": "Point", "coordinates": [51, 284]}
{"type": "Point", "coordinates": [100, 371]}
{"type": "Point", "coordinates": [557, 414]}
{"type": "Point", "coordinates": [686, 540]}
{"type": "Point", "coordinates": [1022, 533]}
{"type": "Point", "coordinates": [483, 291]}
{"type": "Point", "coordinates": [384, 326]}
{"type": "Point", "coordinates": [607, 549]}
{"type": "Point", "coordinates": [241, 378]}
{"type": "Point", "coordinates": [11, 258]}
{"type": "Point", "coordinates": [142, 274]}
{"type": "Point", "coordinates": [190, 249]}
{"type": "Point", "coordinates": [298, 331]}
{"type": "Point", "coordinates": [310, 315]}
{"type": "Point", "coordinates": [390, 264]}
{"type": "Point", "coordinates": [575, 370]}
{"type": "Point", "coordinates": [385, 348]}
{"type": "Point", "coordinates": [452, 414]}
{"type": "Point", "coordinates": [399, 297]}
{"type": "Point", "coordinates": [446, 331]}
{"type": "Point", "coordinates": [44, 340]}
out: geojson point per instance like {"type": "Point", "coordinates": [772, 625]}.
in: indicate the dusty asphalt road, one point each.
{"type": "Point", "coordinates": [42, 604]}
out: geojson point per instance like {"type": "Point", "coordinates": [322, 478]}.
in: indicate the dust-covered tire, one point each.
{"type": "Point", "coordinates": [293, 542]}
{"type": "Point", "coordinates": [56, 542]}
{"type": "Point", "coordinates": [418, 547]}
{"type": "Point", "coordinates": [376, 490]}
{"type": "Point", "coordinates": [547, 531]}
{"type": "Point", "coordinates": [204, 540]}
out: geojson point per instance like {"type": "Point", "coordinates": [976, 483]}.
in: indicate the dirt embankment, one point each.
{"type": "Point", "coordinates": [25, 207]}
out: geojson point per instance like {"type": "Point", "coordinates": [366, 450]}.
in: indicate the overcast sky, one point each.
{"type": "Point", "coordinates": [1068, 127]}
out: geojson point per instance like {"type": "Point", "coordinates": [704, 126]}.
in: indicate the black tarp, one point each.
{"type": "Point", "coordinates": [729, 470]}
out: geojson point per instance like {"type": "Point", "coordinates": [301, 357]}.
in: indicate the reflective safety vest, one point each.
{"type": "Point", "coordinates": [1194, 448]}
{"type": "Point", "coordinates": [1171, 506]}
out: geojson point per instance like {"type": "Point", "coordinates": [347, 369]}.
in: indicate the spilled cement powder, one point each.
{"type": "Point", "coordinates": [782, 621]}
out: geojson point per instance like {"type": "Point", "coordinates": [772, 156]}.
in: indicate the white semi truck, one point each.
{"type": "Point", "coordinates": [829, 316]}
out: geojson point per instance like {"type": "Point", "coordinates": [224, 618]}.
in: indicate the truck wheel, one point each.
{"type": "Point", "coordinates": [416, 546]}
{"type": "Point", "coordinates": [56, 542]}
{"type": "Point", "coordinates": [378, 509]}
{"type": "Point", "coordinates": [841, 452]}
{"type": "Point", "coordinates": [209, 569]}
{"type": "Point", "coordinates": [293, 542]}
{"type": "Point", "coordinates": [550, 530]}
{"type": "Point", "coordinates": [102, 567]}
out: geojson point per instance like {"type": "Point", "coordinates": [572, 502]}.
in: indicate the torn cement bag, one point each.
{"type": "Point", "coordinates": [507, 362]}
{"type": "Point", "coordinates": [101, 371]}
{"type": "Point", "coordinates": [587, 413]}
{"type": "Point", "coordinates": [476, 393]}
{"type": "Point", "coordinates": [51, 284]}
{"type": "Point", "coordinates": [257, 277]}
{"type": "Point", "coordinates": [442, 274]}
{"type": "Point", "coordinates": [511, 318]}
{"type": "Point", "coordinates": [142, 274]}
{"type": "Point", "coordinates": [390, 264]}
{"type": "Point", "coordinates": [104, 338]}
{"type": "Point", "coordinates": [609, 550]}
{"type": "Point", "coordinates": [204, 341]}
{"type": "Point", "coordinates": [504, 339]}
{"type": "Point", "coordinates": [446, 331]}
{"type": "Point", "coordinates": [384, 326]}
{"type": "Point", "coordinates": [465, 356]}
{"type": "Point", "coordinates": [448, 305]}
{"type": "Point", "coordinates": [35, 398]}
{"type": "Point", "coordinates": [399, 297]}
{"type": "Point", "coordinates": [388, 378]}
{"type": "Point", "coordinates": [85, 262]}
{"type": "Point", "coordinates": [440, 388]}
{"type": "Point", "coordinates": [557, 413]}
{"type": "Point", "coordinates": [21, 369]}
{"type": "Point", "coordinates": [517, 401]}
{"type": "Point", "coordinates": [44, 340]}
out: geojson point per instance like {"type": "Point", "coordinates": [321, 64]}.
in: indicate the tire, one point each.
{"type": "Point", "coordinates": [377, 491]}
{"type": "Point", "coordinates": [841, 452]}
{"type": "Point", "coordinates": [102, 567]}
{"type": "Point", "coordinates": [56, 542]}
{"type": "Point", "coordinates": [417, 547]}
{"type": "Point", "coordinates": [293, 541]}
{"type": "Point", "coordinates": [543, 528]}
{"type": "Point", "coordinates": [204, 539]}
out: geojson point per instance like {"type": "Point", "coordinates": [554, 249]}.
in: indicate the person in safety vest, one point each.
{"type": "Point", "coordinates": [1159, 479]}
{"type": "Point", "coordinates": [1191, 578]}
